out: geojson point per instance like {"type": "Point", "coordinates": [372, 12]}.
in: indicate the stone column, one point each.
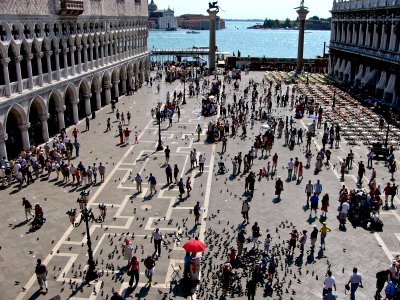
{"type": "Point", "coordinates": [91, 56]}
{"type": "Point", "coordinates": [79, 49]}
{"type": "Point", "coordinates": [368, 34]}
{"type": "Point", "coordinates": [88, 109]}
{"type": "Point", "coordinates": [106, 52]}
{"type": "Point", "coordinates": [4, 62]}
{"type": "Point", "coordinates": [39, 66]}
{"type": "Point", "coordinates": [361, 34]}
{"type": "Point", "coordinates": [45, 129]}
{"type": "Point", "coordinates": [85, 58]}
{"type": "Point", "coordinates": [123, 85]}
{"type": "Point", "coordinates": [98, 99]}
{"type": "Point", "coordinates": [348, 33]}
{"type": "Point", "coordinates": [392, 41]}
{"type": "Point", "coordinates": [17, 61]}
{"type": "Point", "coordinates": [75, 113]}
{"type": "Point", "coordinates": [302, 13]}
{"type": "Point", "coordinates": [48, 61]}
{"type": "Point", "coordinates": [25, 135]}
{"type": "Point", "coordinates": [3, 148]}
{"type": "Point", "coordinates": [375, 37]}
{"type": "Point", "coordinates": [355, 31]}
{"type": "Point", "coordinates": [102, 60]}
{"type": "Point", "coordinates": [96, 50]}
{"type": "Point", "coordinates": [333, 30]}
{"type": "Point", "coordinates": [212, 45]}
{"type": "Point", "coordinates": [60, 116]}
{"type": "Point", "coordinates": [73, 59]}
{"type": "Point", "coordinates": [107, 89]}
{"type": "Point", "coordinates": [385, 29]}
{"type": "Point", "coordinates": [115, 48]}
{"type": "Point", "coordinates": [116, 89]}
{"type": "Point", "coordinates": [65, 53]}
{"type": "Point", "coordinates": [28, 59]}
{"type": "Point", "coordinates": [57, 58]}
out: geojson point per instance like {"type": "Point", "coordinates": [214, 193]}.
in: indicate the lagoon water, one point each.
{"type": "Point", "coordinates": [253, 42]}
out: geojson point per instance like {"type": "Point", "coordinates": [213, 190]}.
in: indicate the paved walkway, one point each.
{"type": "Point", "coordinates": [63, 248]}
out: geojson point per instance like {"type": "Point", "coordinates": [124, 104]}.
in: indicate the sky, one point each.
{"type": "Point", "coordinates": [249, 9]}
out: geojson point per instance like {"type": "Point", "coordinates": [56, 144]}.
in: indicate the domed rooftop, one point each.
{"type": "Point", "coordinates": [152, 6]}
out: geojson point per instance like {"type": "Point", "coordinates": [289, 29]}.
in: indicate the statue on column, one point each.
{"type": "Point", "coordinates": [301, 3]}
{"type": "Point", "coordinates": [212, 6]}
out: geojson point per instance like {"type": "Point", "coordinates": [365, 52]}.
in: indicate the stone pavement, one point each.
{"type": "Point", "coordinates": [132, 215]}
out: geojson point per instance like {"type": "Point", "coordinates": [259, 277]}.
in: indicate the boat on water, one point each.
{"type": "Point", "coordinates": [192, 32]}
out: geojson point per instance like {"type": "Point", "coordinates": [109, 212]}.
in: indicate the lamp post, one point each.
{"type": "Point", "coordinates": [388, 120]}
{"type": "Point", "coordinates": [158, 115]}
{"type": "Point", "coordinates": [184, 89]}
{"type": "Point", "coordinates": [86, 216]}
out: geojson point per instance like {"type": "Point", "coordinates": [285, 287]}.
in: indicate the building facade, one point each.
{"type": "Point", "coordinates": [365, 46]}
{"type": "Point", "coordinates": [161, 19]}
{"type": "Point", "coordinates": [61, 60]}
{"type": "Point", "coordinates": [199, 22]}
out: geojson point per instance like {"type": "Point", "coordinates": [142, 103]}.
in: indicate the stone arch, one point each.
{"type": "Point", "coordinates": [84, 99]}
{"type": "Point", "coordinates": [37, 115]}
{"type": "Point", "coordinates": [16, 126]}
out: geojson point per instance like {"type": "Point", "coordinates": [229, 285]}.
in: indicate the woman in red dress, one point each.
{"type": "Point", "coordinates": [325, 204]}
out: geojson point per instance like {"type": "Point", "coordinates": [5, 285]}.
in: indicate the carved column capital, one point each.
{"type": "Point", "coordinates": [29, 56]}
{"type": "Point", "coordinates": [49, 53]}
{"type": "Point", "coordinates": [5, 61]}
{"type": "Point", "coordinates": [61, 109]}
{"type": "Point", "coordinates": [3, 138]}
{"type": "Point", "coordinates": [24, 127]}
{"type": "Point", "coordinates": [17, 59]}
{"type": "Point", "coordinates": [44, 117]}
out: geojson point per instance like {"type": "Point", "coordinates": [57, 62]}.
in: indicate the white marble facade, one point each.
{"type": "Point", "coordinates": [61, 63]}
{"type": "Point", "coordinates": [365, 46]}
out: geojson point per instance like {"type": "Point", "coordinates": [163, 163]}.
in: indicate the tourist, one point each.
{"type": "Point", "coordinates": [309, 190]}
{"type": "Point", "coordinates": [329, 283]}
{"type": "Point", "coordinates": [157, 237]}
{"type": "Point", "coordinates": [245, 211]}
{"type": "Point", "coordinates": [313, 237]}
{"type": "Point", "coordinates": [324, 230]}
{"type": "Point", "coordinates": [133, 271]}
{"type": "Point", "coordinates": [150, 264]}
{"type": "Point", "coordinates": [324, 205]}
{"type": "Point", "coordinates": [28, 208]}
{"type": "Point", "coordinates": [181, 187]}
{"type": "Point", "coordinates": [197, 212]}
{"type": "Point", "coordinates": [355, 281]}
{"type": "Point", "coordinates": [127, 251]}
{"type": "Point", "coordinates": [241, 239]}
{"type": "Point", "coordinates": [251, 288]}
{"type": "Point", "coordinates": [102, 171]}
{"type": "Point", "coordinates": [41, 275]}
{"type": "Point", "coordinates": [278, 187]}
{"type": "Point", "coordinates": [167, 152]}
{"type": "Point", "coordinates": [168, 173]}
{"type": "Point", "coordinates": [152, 181]}
{"type": "Point", "coordinates": [255, 229]}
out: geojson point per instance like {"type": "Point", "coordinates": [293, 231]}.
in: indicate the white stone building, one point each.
{"type": "Point", "coordinates": [63, 59]}
{"type": "Point", "coordinates": [161, 19]}
{"type": "Point", "coordinates": [365, 46]}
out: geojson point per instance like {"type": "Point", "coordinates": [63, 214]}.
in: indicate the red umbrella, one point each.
{"type": "Point", "coordinates": [194, 246]}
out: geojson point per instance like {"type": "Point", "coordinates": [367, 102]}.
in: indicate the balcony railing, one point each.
{"type": "Point", "coordinates": [380, 54]}
{"type": "Point", "coordinates": [71, 7]}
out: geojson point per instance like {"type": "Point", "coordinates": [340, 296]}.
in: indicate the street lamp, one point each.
{"type": "Point", "coordinates": [86, 216]}
{"type": "Point", "coordinates": [184, 89]}
{"type": "Point", "coordinates": [158, 115]}
{"type": "Point", "coordinates": [388, 120]}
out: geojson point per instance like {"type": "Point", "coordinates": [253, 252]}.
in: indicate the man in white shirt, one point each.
{"type": "Point", "coordinates": [355, 281]}
{"type": "Point", "coordinates": [157, 237]}
{"type": "Point", "coordinates": [329, 283]}
{"type": "Point", "coordinates": [344, 211]}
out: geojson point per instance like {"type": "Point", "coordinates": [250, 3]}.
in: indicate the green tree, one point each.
{"type": "Point", "coordinates": [287, 23]}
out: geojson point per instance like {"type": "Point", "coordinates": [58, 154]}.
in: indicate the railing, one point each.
{"type": "Point", "coordinates": [71, 7]}
{"type": "Point", "coordinates": [383, 54]}
{"type": "Point", "coordinates": [14, 87]}
{"type": "Point", "coordinates": [3, 91]}
{"type": "Point", "coordinates": [25, 84]}
{"type": "Point", "coordinates": [359, 4]}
